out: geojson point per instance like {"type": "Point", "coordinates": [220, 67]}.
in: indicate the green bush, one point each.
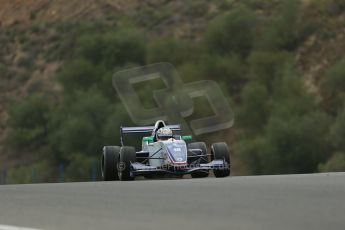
{"type": "Point", "coordinates": [333, 86]}
{"type": "Point", "coordinates": [336, 7]}
{"type": "Point", "coordinates": [289, 94]}
{"type": "Point", "coordinates": [286, 146]}
{"type": "Point", "coordinates": [337, 132]}
{"type": "Point", "coordinates": [39, 172]}
{"type": "Point", "coordinates": [189, 72]}
{"type": "Point", "coordinates": [295, 145]}
{"type": "Point", "coordinates": [329, 7]}
{"type": "Point", "coordinates": [150, 17]}
{"type": "Point", "coordinates": [2, 68]}
{"type": "Point", "coordinates": [171, 50]}
{"type": "Point", "coordinates": [229, 69]}
{"type": "Point", "coordinates": [254, 112]}
{"type": "Point", "coordinates": [259, 4]}
{"type": "Point", "coordinates": [79, 119]}
{"type": "Point", "coordinates": [26, 62]}
{"type": "Point", "coordinates": [335, 164]}
{"type": "Point", "coordinates": [110, 131]}
{"type": "Point", "coordinates": [249, 151]}
{"type": "Point", "coordinates": [84, 123]}
{"type": "Point", "coordinates": [113, 49]}
{"type": "Point", "coordinates": [80, 74]}
{"type": "Point", "coordinates": [79, 167]}
{"type": "Point", "coordinates": [294, 139]}
{"type": "Point", "coordinates": [196, 8]}
{"type": "Point", "coordinates": [28, 121]}
{"type": "Point", "coordinates": [283, 30]}
{"type": "Point", "coordinates": [231, 33]}
{"type": "Point", "coordinates": [265, 66]}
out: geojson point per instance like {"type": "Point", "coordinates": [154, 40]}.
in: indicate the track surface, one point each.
{"type": "Point", "coordinates": [315, 201]}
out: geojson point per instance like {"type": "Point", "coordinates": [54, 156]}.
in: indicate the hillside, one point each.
{"type": "Point", "coordinates": [30, 36]}
{"type": "Point", "coordinates": [39, 38]}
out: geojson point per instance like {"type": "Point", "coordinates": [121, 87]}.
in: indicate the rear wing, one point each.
{"type": "Point", "coordinates": [145, 130]}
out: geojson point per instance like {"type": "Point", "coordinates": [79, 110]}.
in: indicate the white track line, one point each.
{"type": "Point", "coordinates": [8, 227]}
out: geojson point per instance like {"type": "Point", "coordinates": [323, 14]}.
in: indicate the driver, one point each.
{"type": "Point", "coordinates": [164, 134]}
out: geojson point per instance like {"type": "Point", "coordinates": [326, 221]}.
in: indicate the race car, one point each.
{"type": "Point", "coordinates": [164, 152]}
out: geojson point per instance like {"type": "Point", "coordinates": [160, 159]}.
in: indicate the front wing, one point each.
{"type": "Point", "coordinates": [142, 169]}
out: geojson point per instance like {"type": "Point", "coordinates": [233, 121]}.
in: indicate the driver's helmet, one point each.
{"type": "Point", "coordinates": [164, 134]}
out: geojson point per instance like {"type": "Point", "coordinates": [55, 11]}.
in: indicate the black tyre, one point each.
{"type": "Point", "coordinates": [220, 151]}
{"type": "Point", "coordinates": [127, 155]}
{"type": "Point", "coordinates": [202, 160]}
{"type": "Point", "coordinates": [109, 162]}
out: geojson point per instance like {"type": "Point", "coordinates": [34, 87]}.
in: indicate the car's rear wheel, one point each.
{"type": "Point", "coordinates": [203, 159]}
{"type": "Point", "coordinates": [220, 151]}
{"type": "Point", "coordinates": [109, 162]}
{"type": "Point", "coordinates": [127, 156]}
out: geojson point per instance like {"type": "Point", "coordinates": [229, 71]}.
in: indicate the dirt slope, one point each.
{"type": "Point", "coordinates": [26, 11]}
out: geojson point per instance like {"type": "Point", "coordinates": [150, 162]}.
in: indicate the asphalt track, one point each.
{"type": "Point", "coordinates": [315, 201]}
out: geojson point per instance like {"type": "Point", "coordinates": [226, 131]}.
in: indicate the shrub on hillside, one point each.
{"type": "Point", "coordinates": [265, 66]}
{"type": "Point", "coordinates": [295, 145]}
{"type": "Point", "coordinates": [80, 74]}
{"type": "Point", "coordinates": [2, 69]}
{"type": "Point", "coordinates": [329, 7]}
{"type": "Point", "coordinates": [39, 172]}
{"type": "Point", "coordinates": [335, 164]}
{"type": "Point", "coordinates": [78, 119]}
{"type": "Point", "coordinates": [248, 151]}
{"type": "Point", "coordinates": [289, 94]}
{"type": "Point", "coordinates": [254, 112]}
{"type": "Point", "coordinates": [80, 168]}
{"type": "Point", "coordinates": [337, 132]}
{"type": "Point", "coordinates": [229, 69]}
{"type": "Point", "coordinates": [294, 139]}
{"type": "Point", "coordinates": [285, 29]}
{"type": "Point", "coordinates": [171, 50]}
{"type": "Point", "coordinates": [333, 87]}
{"type": "Point", "coordinates": [28, 121]}
{"type": "Point", "coordinates": [114, 48]}
{"type": "Point", "coordinates": [231, 33]}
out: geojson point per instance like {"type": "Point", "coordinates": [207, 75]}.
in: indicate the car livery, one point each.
{"type": "Point", "coordinates": [174, 156]}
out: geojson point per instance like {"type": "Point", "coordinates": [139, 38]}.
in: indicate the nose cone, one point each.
{"type": "Point", "coordinates": [177, 153]}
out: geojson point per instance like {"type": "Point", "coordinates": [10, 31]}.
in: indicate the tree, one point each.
{"type": "Point", "coordinates": [76, 127]}
{"type": "Point", "coordinates": [294, 139]}
{"type": "Point", "coordinates": [229, 69]}
{"type": "Point", "coordinates": [333, 87]}
{"type": "Point", "coordinates": [231, 33]}
{"type": "Point", "coordinates": [335, 164]}
{"type": "Point", "coordinates": [283, 30]}
{"type": "Point", "coordinates": [337, 132]}
{"type": "Point", "coordinates": [265, 66]}
{"type": "Point", "coordinates": [172, 50]}
{"type": "Point", "coordinates": [28, 121]}
{"type": "Point", "coordinates": [295, 145]}
{"type": "Point", "coordinates": [80, 74]}
{"type": "Point", "coordinates": [115, 48]}
{"type": "Point", "coordinates": [254, 112]}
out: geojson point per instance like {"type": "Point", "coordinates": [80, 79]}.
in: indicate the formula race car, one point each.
{"type": "Point", "coordinates": [164, 152]}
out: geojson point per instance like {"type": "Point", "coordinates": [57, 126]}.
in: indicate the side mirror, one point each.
{"type": "Point", "coordinates": [148, 139]}
{"type": "Point", "coordinates": [187, 138]}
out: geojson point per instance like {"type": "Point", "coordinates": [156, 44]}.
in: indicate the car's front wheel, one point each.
{"type": "Point", "coordinates": [202, 159]}
{"type": "Point", "coordinates": [127, 156]}
{"type": "Point", "coordinates": [220, 151]}
{"type": "Point", "coordinates": [109, 162]}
